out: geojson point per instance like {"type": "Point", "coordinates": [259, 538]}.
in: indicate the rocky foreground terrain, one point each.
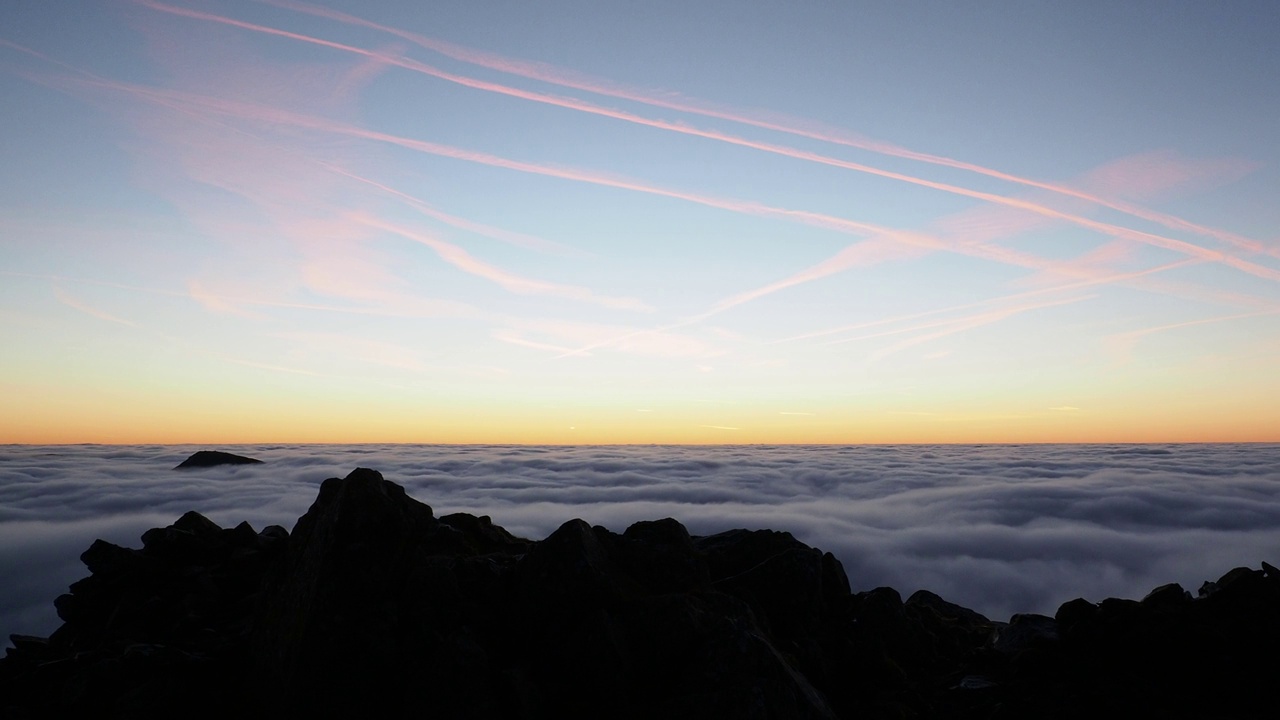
{"type": "Point", "coordinates": [374, 607]}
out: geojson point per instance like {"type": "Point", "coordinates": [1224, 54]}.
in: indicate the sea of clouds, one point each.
{"type": "Point", "coordinates": [997, 528]}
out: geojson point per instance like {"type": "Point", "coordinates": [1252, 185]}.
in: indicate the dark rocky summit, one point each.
{"type": "Point", "coordinates": [374, 607]}
{"type": "Point", "coordinates": [213, 458]}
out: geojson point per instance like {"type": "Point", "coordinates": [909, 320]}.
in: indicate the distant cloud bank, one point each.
{"type": "Point", "coordinates": [1000, 529]}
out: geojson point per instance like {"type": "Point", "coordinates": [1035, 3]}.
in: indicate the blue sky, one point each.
{"type": "Point", "coordinates": [595, 222]}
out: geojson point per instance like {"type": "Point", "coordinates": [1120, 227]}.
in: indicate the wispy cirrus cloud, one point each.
{"type": "Point", "coordinates": [217, 304]}
{"type": "Point", "coordinates": [1122, 344]}
{"type": "Point", "coordinates": [514, 338]}
{"type": "Point", "coordinates": [951, 326]}
{"type": "Point", "coordinates": [1097, 280]}
{"type": "Point", "coordinates": [570, 338]}
{"type": "Point", "coordinates": [290, 187]}
{"type": "Point", "coordinates": [303, 175]}
{"type": "Point", "coordinates": [860, 254]}
{"type": "Point", "coordinates": [362, 350]}
{"type": "Point", "coordinates": [1105, 228]}
{"type": "Point", "coordinates": [461, 259]}
{"type": "Point", "coordinates": [546, 72]}
{"type": "Point", "coordinates": [916, 239]}
{"type": "Point", "coordinates": [1154, 175]}
{"type": "Point", "coordinates": [345, 85]}
{"type": "Point", "coordinates": [72, 301]}
{"type": "Point", "coordinates": [508, 236]}
{"type": "Point", "coordinates": [1150, 176]}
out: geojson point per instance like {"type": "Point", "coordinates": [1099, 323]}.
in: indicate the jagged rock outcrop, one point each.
{"type": "Point", "coordinates": [148, 627]}
{"type": "Point", "coordinates": [373, 606]}
{"type": "Point", "coordinates": [213, 458]}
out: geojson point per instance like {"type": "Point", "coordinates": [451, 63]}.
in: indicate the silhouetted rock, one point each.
{"type": "Point", "coordinates": [148, 628]}
{"type": "Point", "coordinates": [212, 458]}
{"type": "Point", "coordinates": [374, 607]}
{"type": "Point", "coordinates": [342, 626]}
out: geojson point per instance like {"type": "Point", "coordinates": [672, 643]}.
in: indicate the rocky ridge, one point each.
{"type": "Point", "coordinates": [374, 606]}
{"type": "Point", "coordinates": [214, 458]}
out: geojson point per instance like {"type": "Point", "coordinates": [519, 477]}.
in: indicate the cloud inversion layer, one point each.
{"type": "Point", "coordinates": [1000, 529]}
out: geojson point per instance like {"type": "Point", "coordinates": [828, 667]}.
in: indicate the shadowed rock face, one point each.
{"type": "Point", "coordinates": [212, 458]}
{"type": "Point", "coordinates": [373, 606]}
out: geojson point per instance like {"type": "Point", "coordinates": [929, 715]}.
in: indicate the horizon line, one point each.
{"type": "Point", "coordinates": [659, 444]}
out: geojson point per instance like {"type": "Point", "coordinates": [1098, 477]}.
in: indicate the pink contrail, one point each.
{"type": "Point", "coordinates": [1123, 343]}
{"type": "Point", "coordinates": [575, 104]}
{"type": "Point", "coordinates": [266, 114]}
{"type": "Point", "coordinates": [508, 337]}
{"type": "Point", "coordinates": [463, 260]}
{"type": "Point", "coordinates": [46, 58]}
{"type": "Point", "coordinates": [74, 302]}
{"type": "Point", "coordinates": [958, 324]}
{"type": "Point", "coordinates": [514, 238]}
{"type": "Point", "coordinates": [250, 111]}
{"type": "Point", "coordinates": [866, 252]}
{"type": "Point", "coordinates": [521, 239]}
{"type": "Point", "coordinates": [257, 302]}
{"type": "Point", "coordinates": [215, 303]}
{"type": "Point", "coordinates": [262, 113]}
{"type": "Point", "coordinates": [1134, 334]}
{"type": "Point", "coordinates": [1102, 280]}
{"type": "Point", "coordinates": [244, 110]}
{"type": "Point", "coordinates": [545, 72]}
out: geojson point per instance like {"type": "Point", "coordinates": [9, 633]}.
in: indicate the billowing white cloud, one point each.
{"type": "Point", "coordinates": [1001, 529]}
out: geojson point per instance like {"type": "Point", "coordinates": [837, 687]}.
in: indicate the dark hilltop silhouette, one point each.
{"type": "Point", "coordinates": [374, 607]}
{"type": "Point", "coordinates": [213, 458]}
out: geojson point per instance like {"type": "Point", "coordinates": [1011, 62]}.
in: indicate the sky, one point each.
{"type": "Point", "coordinates": [1000, 529]}
{"type": "Point", "coordinates": [576, 222]}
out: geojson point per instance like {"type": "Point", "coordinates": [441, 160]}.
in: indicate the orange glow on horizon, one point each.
{"type": "Point", "coordinates": [209, 420]}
